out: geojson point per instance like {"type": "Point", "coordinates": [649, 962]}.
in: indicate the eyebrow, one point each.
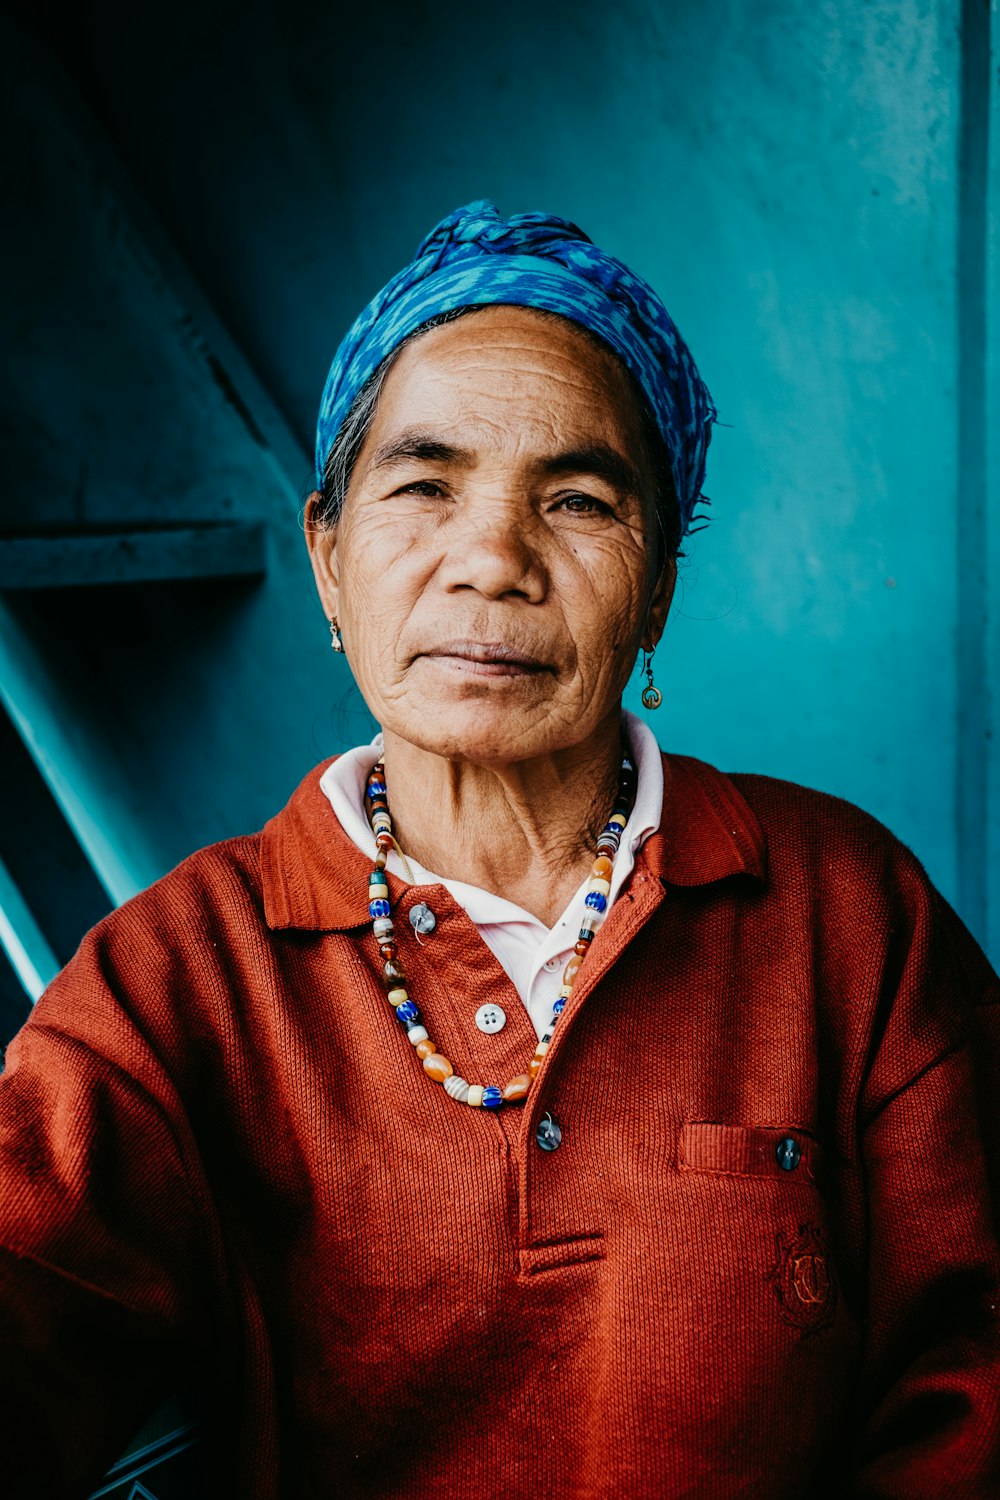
{"type": "Point", "coordinates": [598, 459]}
{"type": "Point", "coordinates": [421, 446]}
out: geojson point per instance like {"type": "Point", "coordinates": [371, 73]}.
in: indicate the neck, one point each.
{"type": "Point", "coordinates": [524, 831]}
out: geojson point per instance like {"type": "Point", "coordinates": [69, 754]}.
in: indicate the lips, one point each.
{"type": "Point", "coordinates": [490, 658]}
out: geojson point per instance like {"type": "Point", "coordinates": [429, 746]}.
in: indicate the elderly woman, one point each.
{"type": "Point", "coordinates": [521, 1110]}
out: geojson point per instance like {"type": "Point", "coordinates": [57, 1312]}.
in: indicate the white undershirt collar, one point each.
{"type": "Point", "coordinates": [532, 954]}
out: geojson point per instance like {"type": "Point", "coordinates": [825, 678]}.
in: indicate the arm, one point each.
{"type": "Point", "coordinates": [107, 1259]}
{"type": "Point", "coordinates": [929, 1148]}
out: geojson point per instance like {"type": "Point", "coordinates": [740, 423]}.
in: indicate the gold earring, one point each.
{"type": "Point", "coordinates": [335, 640]}
{"type": "Point", "coordinates": [651, 695]}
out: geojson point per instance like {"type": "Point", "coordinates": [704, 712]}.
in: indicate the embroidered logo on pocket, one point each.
{"type": "Point", "coordinates": [803, 1279]}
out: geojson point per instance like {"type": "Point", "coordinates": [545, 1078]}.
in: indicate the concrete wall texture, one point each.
{"type": "Point", "coordinates": [202, 197]}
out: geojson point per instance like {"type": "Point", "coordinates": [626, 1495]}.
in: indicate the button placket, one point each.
{"type": "Point", "coordinates": [542, 1170]}
{"type": "Point", "coordinates": [449, 967]}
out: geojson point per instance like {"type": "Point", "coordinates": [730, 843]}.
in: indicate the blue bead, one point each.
{"type": "Point", "coordinates": [596, 900]}
{"type": "Point", "coordinates": [378, 789]}
{"type": "Point", "coordinates": [380, 908]}
{"type": "Point", "coordinates": [407, 1013]}
{"type": "Point", "coordinates": [559, 1006]}
{"type": "Point", "coordinates": [491, 1097]}
{"type": "Point", "coordinates": [614, 828]}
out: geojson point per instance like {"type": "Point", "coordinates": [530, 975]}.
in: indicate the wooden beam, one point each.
{"type": "Point", "coordinates": [22, 939]}
{"type": "Point", "coordinates": [209, 551]}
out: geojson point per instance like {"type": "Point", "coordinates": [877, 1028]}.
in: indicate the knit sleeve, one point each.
{"type": "Point", "coordinates": [930, 1150]}
{"type": "Point", "coordinates": [107, 1255]}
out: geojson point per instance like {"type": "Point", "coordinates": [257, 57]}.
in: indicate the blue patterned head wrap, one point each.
{"type": "Point", "coordinates": [475, 257]}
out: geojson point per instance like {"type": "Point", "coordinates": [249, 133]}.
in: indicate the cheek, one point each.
{"type": "Point", "coordinates": [610, 595]}
{"type": "Point", "coordinates": [378, 588]}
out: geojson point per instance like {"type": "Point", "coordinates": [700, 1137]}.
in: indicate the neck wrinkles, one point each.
{"type": "Point", "coordinates": [526, 831]}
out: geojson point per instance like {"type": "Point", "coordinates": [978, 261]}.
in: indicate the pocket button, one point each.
{"type": "Point", "coordinates": [788, 1153]}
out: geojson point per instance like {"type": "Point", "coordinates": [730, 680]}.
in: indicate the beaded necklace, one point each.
{"type": "Point", "coordinates": [436, 1066]}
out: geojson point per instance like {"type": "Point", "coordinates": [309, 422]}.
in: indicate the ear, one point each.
{"type": "Point", "coordinates": [659, 604]}
{"type": "Point", "coordinates": [321, 541]}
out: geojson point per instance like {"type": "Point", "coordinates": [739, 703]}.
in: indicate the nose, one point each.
{"type": "Point", "coordinates": [495, 552]}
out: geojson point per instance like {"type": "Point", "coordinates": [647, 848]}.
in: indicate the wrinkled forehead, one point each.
{"type": "Point", "coordinates": [510, 376]}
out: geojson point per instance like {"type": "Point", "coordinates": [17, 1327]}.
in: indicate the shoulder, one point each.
{"type": "Point", "coordinates": [189, 944]}
{"type": "Point", "coordinates": [226, 886]}
{"type": "Point", "coordinates": [783, 831]}
{"type": "Point", "coordinates": [791, 820]}
{"type": "Point", "coordinates": [856, 876]}
{"type": "Point", "coordinates": [174, 973]}
{"type": "Point", "coordinates": [217, 887]}
{"type": "Point", "coordinates": [824, 861]}
{"type": "Point", "coordinates": [799, 821]}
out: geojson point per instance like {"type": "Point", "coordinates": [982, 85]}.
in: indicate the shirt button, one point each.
{"type": "Point", "coordinates": [422, 919]}
{"type": "Point", "coordinates": [548, 1135]}
{"type": "Point", "coordinates": [551, 965]}
{"type": "Point", "coordinates": [788, 1153]}
{"type": "Point", "coordinates": [490, 1018]}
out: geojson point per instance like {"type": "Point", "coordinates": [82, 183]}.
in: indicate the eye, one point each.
{"type": "Point", "coordinates": [420, 487]}
{"type": "Point", "coordinates": [581, 505]}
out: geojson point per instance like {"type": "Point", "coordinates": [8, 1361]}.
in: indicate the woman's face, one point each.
{"type": "Point", "coordinates": [493, 569]}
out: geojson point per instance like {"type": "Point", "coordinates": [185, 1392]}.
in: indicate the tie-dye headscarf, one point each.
{"type": "Point", "coordinates": [475, 257]}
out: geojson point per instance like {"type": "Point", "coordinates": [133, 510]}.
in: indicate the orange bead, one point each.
{"type": "Point", "coordinates": [582, 949]}
{"type": "Point", "coordinates": [437, 1067]}
{"type": "Point", "coordinates": [602, 867]}
{"type": "Point", "coordinates": [425, 1049]}
{"type": "Point", "coordinates": [533, 1067]}
{"type": "Point", "coordinates": [388, 951]}
{"type": "Point", "coordinates": [517, 1088]}
{"type": "Point", "coordinates": [572, 969]}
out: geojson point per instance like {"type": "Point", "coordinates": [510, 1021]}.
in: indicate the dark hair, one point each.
{"type": "Point", "coordinates": [350, 439]}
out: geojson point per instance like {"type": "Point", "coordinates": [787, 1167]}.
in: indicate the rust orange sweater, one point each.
{"type": "Point", "coordinates": [762, 1261]}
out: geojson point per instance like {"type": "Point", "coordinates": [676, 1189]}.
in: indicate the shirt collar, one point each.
{"type": "Point", "coordinates": [315, 878]}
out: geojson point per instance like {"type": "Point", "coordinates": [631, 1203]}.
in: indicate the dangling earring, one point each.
{"type": "Point", "coordinates": [651, 695]}
{"type": "Point", "coordinates": [335, 640]}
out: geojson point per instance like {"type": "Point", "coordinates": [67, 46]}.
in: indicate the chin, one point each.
{"type": "Point", "coordinates": [479, 733]}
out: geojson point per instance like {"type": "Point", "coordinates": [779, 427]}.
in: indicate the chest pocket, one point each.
{"type": "Point", "coordinates": [795, 1260]}
{"type": "Point", "coordinates": [779, 1151]}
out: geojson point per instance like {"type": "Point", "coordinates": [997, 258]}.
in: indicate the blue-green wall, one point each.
{"type": "Point", "coordinates": [808, 186]}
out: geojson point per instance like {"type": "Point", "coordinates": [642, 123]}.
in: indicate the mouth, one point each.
{"type": "Point", "coordinates": [486, 659]}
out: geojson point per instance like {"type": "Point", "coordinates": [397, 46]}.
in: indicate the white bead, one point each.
{"type": "Point", "coordinates": [417, 1034]}
{"type": "Point", "coordinates": [597, 884]}
{"type": "Point", "coordinates": [454, 1087]}
{"type": "Point", "coordinates": [475, 1095]}
{"type": "Point", "coordinates": [382, 927]}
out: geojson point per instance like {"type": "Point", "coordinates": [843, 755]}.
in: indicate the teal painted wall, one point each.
{"type": "Point", "coordinates": [807, 185]}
